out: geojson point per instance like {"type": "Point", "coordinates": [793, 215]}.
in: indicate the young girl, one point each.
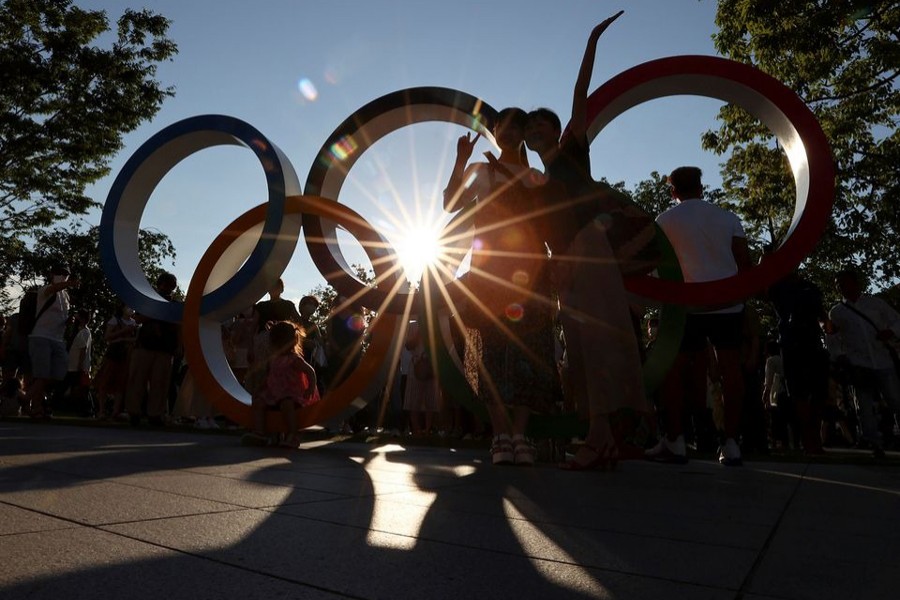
{"type": "Point", "coordinates": [288, 382]}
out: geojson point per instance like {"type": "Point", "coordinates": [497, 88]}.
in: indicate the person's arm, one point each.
{"type": "Point", "coordinates": [767, 383]}
{"type": "Point", "coordinates": [578, 123]}
{"type": "Point", "coordinates": [741, 253]}
{"type": "Point", "coordinates": [58, 287]}
{"type": "Point", "coordinates": [310, 373]}
{"type": "Point", "coordinates": [455, 196]}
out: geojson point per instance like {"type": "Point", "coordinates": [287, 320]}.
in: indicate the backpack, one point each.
{"type": "Point", "coordinates": [28, 311]}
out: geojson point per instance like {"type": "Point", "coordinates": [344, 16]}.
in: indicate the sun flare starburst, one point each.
{"type": "Point", "coordinates": [418, 248]}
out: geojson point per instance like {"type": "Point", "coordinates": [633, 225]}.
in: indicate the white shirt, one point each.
{"type": "Point", "coordinates": [701, 234]}
{"type": "Point", "coordinates": [81, 342]}
{"type": "Point", "coordinates": [856, 338]}
{"type": "Point", "coordinates": [52, 323]}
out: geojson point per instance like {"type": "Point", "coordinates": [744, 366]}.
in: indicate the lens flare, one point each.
{"type": "Point", "coordinates": [521, 278]}
{"type": "Point", "coordinates": [307, 89]}
{"type": "Point", "coordinates": [331, 76]}
{"type": "Point", "coordinates": [514, 312]}
{"type": "Point", "coordinates": [356, 322]}
{"type": "Point", "coordinates": [343, 148]}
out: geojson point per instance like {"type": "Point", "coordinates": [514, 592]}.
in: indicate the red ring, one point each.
{"type": "Point", "coordinates": [782, 111]}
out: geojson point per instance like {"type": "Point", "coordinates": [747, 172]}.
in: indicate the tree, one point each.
{"type": "Point", "coordinates": [842, 57]}
{"type": "Point", "coordinates": [327, 296]}
{"type": "Point", "coordinates": [65, 103]}
{"type": "Point", "coordinates": [80, 250]}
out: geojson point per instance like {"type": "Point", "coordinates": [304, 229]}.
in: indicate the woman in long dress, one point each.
{"type": "Point", "coordinates": [604, 367]}
{"type": "Point", "coordinates": [508, 293]}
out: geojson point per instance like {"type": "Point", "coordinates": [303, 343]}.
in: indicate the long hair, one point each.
{"type": "Point", "coordinates": [284, 336]}
{"type": "Point", "coordinates": [519, 118]}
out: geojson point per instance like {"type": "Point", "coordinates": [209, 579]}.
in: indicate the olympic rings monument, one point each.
{"type": "Point", "coordinates": [243, 262]}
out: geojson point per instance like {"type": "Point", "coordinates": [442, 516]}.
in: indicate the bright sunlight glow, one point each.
{"type": "Point", "coordinates": [418, 248]}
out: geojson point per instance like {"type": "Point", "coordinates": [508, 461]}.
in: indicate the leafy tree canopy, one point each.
{"type": "Point", "coordinates": [843, 58]}
{"type": "Point", "coordinates": [65, 103]}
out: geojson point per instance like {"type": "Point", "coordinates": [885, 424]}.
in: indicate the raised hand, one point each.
{"type": "Point", "coordinates": [599, 29]}
{"type": "Point", "coordinates": [465, 145]}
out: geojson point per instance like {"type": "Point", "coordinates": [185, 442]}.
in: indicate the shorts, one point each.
{"type": "Point", "coordinates": [723, 330]}
{"type": "Point", "coordinates": [49, 358]}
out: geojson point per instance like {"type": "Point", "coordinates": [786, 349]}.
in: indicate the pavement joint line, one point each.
{"type": "Point", "coordinates": [231, 565]}
{"type": "Point", "coordinates": [128, 522]}
{"type": "Point", "coordinates": [103, 528]}
{"type": "Point", "coordinates": [748, 578]}
{"type": "Point", "coordinates": [651, 536]}
{"type": "Point", "coordinates": [508, 553]}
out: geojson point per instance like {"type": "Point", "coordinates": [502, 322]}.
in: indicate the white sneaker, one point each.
{"type": "Point", "coordinates": [502, 451]}
{"type": "Point", "coordinates": [523, 452]}
{"type": "Point", "coordinates": [668, 452]}
{"type": "Point", "coordinates": [730, 454]}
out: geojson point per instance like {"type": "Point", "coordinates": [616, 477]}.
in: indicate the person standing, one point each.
{"type": "Point", "coordinates": [78, 377]}
{"type": "Point", "coordinates": [150, 367]}
{"type": "Point", "coordinates": [801, 313]}
{"type": "Point", "coordinates": [710, 244]}
{"type": "Point", "coordinates": [604, 365]}
{"type": "Point", "coordinates": [508, 298]}
{"type": "Point", "coordinates": [119, 335]}
{"type": "Point", "coordinates": [46, 341]}
{"type": "Point", "coordinates": [275, 308]}
{"type": "Point", "coordinates": [863, 340]}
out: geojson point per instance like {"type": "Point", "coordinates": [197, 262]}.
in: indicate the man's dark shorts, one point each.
{"type": "Point", "coordinates": [723, 330]}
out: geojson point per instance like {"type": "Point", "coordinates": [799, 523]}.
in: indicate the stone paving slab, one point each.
{"type": "Point", "coordinates": [83, 509]}
{"type": "Point", "coordinates": [88, 564]}
{"type": "Point", "coordinates": [376, 564]}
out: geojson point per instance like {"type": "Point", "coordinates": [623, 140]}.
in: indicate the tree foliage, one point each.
{"type": "Point", "coordinates": [327, 296]}
{"type": "Point", "coordinates": [842, 57]}
{"type": "Point", "coordinates": [65, 103]}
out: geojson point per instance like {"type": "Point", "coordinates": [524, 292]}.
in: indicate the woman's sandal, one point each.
{"type": "Point", "coordinates": [605, 458]}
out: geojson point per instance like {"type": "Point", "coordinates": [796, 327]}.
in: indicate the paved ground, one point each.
{"type": "Point", "coordinates": [108, 512]}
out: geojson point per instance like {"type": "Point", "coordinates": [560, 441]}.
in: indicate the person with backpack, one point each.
{"type": "Point", "coordinates": [46, 328]}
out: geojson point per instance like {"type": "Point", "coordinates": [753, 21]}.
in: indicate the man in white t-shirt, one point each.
{"type": "Point", "coordinates": [864, 331]}
{"type": "Point", "coordinates": [46, 344]}
{"type": "Point", "coordinates": [710, 244]}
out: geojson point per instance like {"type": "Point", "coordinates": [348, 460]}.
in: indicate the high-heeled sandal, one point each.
{"type": "Point", "coordinates": [606, 459]}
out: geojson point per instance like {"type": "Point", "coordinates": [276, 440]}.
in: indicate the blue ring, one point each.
{"type": "Point", "coordinates": [125, 204]}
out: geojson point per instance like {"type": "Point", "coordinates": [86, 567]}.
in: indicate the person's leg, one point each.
{"type": "Point", "coordinates": [672, 396]}
{"type": "Point", "coordinates": [40, 355]}
{"type": "Point", "coordinates": [289, 420]}
{"type": "Point", "coordinates": [158, 393]}
{"type": "Point", "coordinates": [866, 388]}
{"type": "Point", "coordinates": [732, 389]}
{"type": "Point", "coordinates": [889, 385]}
{"type": "Point", "coordinates": [136, 388]}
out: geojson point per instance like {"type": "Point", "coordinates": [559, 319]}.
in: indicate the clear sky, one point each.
{"type": "Point", "coordinates": [295, 70]}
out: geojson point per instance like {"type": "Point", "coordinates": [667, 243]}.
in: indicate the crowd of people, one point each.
{"type": "Point", "coordinates": [544, 322]}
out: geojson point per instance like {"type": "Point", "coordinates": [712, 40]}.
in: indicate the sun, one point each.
{"type": "Point", "coordinates": [418, 248]}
